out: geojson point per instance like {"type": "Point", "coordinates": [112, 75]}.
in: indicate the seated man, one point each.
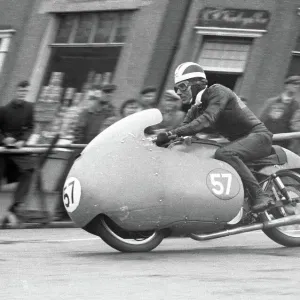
{"type": "Point", "coordinates": [220, 108]}
{"type": "Point", "coordinates": [16, 126]}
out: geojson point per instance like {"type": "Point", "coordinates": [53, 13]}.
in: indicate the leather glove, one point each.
{"type": "Point", "coordinates": [163, 138]}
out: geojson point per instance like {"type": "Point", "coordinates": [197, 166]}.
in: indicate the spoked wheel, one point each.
{"type": "Point", "coordinates": [288, 236]}
{"type": "Point", "coordinates": [122, 240]}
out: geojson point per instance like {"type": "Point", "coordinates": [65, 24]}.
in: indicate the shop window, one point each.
{"type": "Point", "coordinates": [87, 43]}
{"type": "Point", "coordinates": [4, 45]}
{"type": "Point", "coordinates": [224, 60]}
{"type": "Point", "coordinates": [294, 67]}
{"type": "Point", "coordinates": [84, 54]}
{"type": "Point", "coordinates": [93, 28]}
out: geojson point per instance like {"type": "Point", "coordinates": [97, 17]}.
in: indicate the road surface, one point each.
{"type": "Point", "coordinates": [68, 263]}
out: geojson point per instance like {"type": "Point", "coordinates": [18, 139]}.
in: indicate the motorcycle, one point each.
{"type": "Point", "coordinates": [133, 194]}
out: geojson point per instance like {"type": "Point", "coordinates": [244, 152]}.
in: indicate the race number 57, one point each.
{"type": "Point", "coordinates": [71, 194]}
{"type": "Point", "coordinates": [221, 183]}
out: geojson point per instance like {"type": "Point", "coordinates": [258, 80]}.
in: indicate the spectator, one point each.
{"type": "Point", "coordinates": [16, 126]}
{"type": "Point", "coordinates": [91, 119]}
{"type": "Point", "coordinates": [130, 107]}
{"type": "Point", "coordinates": [148, 97]}
{"type": "Point", "coordinates": [90, 122]}
{"type": "Point", "coordinates": [170, 105]}
{"type": "Point", "coordinates": [278, 112]}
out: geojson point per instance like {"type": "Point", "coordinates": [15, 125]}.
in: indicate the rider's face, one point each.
{"type": "Point", "coordinates": [185, 96]}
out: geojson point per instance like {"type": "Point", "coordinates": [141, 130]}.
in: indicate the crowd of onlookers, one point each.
{"type": "Point", "coordinates": [101, 113]}
{"type": "Point", "coordinates": [281, 114]}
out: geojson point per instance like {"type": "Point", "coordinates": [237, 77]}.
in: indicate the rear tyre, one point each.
{"type": "Point", "coordinates": [122, 240]}
{"type": "Point", "coordinates": [288, 236]}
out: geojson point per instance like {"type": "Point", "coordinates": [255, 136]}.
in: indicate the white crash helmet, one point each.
{"type": "Point", "coordinates": [188, 70]}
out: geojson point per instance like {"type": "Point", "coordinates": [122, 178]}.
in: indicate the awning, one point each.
{"type": "Point", "coordinates": [60, 6]}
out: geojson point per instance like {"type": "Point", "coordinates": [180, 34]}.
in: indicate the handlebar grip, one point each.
{"type": "Point", "coordinates": [171, 137]}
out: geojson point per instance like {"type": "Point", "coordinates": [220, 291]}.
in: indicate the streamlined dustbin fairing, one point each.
{"type": "Point", "coordinates": [132, 193]}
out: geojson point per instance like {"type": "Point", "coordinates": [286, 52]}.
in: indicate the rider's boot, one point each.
{"type": "Point", "coordinates": [260, 199]}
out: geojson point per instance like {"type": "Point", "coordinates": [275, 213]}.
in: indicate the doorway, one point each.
{"type": "Point", "coordinates": [228, 80]}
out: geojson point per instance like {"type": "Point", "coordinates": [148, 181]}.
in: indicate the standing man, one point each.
{"type": "Point", "coordinates": [91, 119]}
{"type": "Point", "coordinates": [89, 125]}
{"type": "Point", "coordinates": [220, 108]}
{"type": "Point", "coordinates": [16, 126]}
{"type": "Point", "coordinates": [278, 112]}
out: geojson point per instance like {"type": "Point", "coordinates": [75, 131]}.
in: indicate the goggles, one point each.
{"type": "Point", "coordinates": [182, 86]}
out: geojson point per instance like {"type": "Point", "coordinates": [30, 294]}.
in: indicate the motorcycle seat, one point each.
{"type": "Point", "coordinates": [277, 157]}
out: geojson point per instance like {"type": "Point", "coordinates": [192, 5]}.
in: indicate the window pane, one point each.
{"type": "Point", "coordinates": [65, 28]}
{"type": "Point", "coordinates": [105, 26]}
{"type": "Point", "coordinates": [122, 27]}
{"type": "Point", "coordinates": [84, 28]}
{"type": "Point", "coordinates": [294, 68]}
{"type": "Point", "coordinates": [224, 57]}
{"type": "Point", "coordinates": [298, 44]}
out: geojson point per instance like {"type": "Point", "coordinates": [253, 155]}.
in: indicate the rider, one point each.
{"type": "Point", "coordinates": [220, 108]}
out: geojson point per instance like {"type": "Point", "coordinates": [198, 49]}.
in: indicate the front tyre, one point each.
{"type": "Point", "coordinates": [288, 236]}
{"type": "Point", "coordinates": [122, 240]}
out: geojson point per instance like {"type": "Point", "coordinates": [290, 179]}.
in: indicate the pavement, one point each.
{"type": "Point", "coordinates": [33, 209]}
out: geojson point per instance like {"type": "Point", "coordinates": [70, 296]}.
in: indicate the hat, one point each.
{"type": "Point", "coordinates": [170, 94]}
{"type": "Point", "coordinates": [108, 87]}
{"type": "Point", "coordinates": [295, 79]}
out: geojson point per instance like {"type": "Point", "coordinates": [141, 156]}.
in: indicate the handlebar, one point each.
{"type": "Point", "coordinates": [171, 137]}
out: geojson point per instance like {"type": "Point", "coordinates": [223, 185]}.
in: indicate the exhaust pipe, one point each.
{"type": "Point", "coordinates": [260, 226]}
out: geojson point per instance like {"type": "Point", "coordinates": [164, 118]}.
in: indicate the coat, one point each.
{"type": "Point", "coordinates": [221, 110]}
{"type": "Point", "coordinates": [16, 120]}
{"type": "Point", "coordinates": [281, 118]}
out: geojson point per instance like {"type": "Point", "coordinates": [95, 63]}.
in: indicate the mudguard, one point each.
{"type": "Point", "coordinates": [140, 186]}
{"type": "Point", "coordinates": [293, 162]}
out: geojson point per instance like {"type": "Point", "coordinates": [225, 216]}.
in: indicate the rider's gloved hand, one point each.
{"type": "Point", "coordinates": [163, 138]}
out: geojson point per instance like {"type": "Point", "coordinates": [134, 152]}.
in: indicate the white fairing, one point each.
{"type": "Point", "coordinates": [141, 186]}
{"type": "Point", "coordinates": [133, 126]}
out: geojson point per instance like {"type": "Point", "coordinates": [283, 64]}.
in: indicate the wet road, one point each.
{"type": "Point", "coordinates": [72, 264]}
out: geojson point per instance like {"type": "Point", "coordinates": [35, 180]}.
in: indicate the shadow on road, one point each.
{"type": "Point", "coordinates": [211, 251]}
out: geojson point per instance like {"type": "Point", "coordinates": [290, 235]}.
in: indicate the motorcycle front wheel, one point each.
{"type": "Point", "coordinates": [122, 240]}
{"type": "Point", "coordinates": [288, 236]}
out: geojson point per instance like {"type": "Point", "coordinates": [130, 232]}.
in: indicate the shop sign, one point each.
{"type": "Point", "coordinates": [233, 18]}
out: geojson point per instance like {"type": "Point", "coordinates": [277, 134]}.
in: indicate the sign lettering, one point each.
{"type": "Point", "coordinates": [233, 18]}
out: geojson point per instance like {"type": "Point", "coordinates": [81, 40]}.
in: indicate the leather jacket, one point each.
{"type": "Point", "coordinates": [221, 110]}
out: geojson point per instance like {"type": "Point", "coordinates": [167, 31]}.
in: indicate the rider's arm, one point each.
{"type": "Point", "coordinates": [218, 98]}
{"type": "Point", "coordinates": [190, 116]}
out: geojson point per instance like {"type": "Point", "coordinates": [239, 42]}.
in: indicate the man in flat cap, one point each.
{"type": "Point", "coordinates": [90, 122]}
{"type": "Point", "coordinates": [278, 113]}
{"type": "Point", "coordinates": [16, 126]}
{"type": "Point", "coordinates": [100, 108]}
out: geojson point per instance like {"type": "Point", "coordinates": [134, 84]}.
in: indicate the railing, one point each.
{"type": "Point", "coordinates": [42, 148]}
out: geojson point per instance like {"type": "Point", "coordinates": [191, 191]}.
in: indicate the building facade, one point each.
{"type": "Point", "coordinates": [250, 45]}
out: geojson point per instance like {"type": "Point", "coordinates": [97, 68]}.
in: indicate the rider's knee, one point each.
{"type": "Point", "coordinates": [222, 154]}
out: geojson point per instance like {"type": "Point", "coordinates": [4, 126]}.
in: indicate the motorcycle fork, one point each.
{"type": "Point", "coordinates": [281, 187]}
{"type": "Point", "coordinates": [277, 185]}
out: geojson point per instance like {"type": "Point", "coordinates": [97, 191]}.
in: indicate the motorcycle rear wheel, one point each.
{"type": "Point", "coordinates": [288, 236]}
{"type": "Point", "coordinates": [125, 241]}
